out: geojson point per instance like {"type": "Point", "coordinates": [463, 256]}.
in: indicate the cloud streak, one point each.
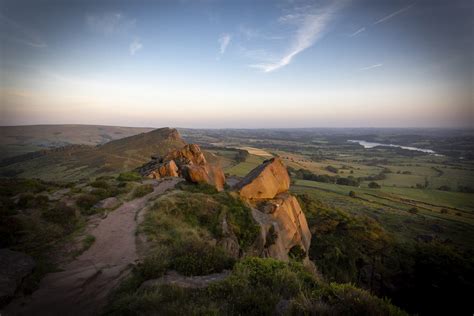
{"type": "Point", "coordinates": [391, 15]}
{"type": "Point", "coordinates": [371, 67]}
{"type": "Point", "coordinates": [224, 41]}
{"type": "Point", "coordinates": [310, 28]}
{"type": "Point", "coordinates": [135, 46]}
{"type": "Point", "coordinates": [362, 29]}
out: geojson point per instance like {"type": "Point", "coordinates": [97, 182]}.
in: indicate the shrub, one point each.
{"type": "Point", "coordinates": [62, 215]}
{"type": "Point", "coordinates": [129, 176]}
{"type": "Point", "coordinates": [444, 211]}
{"type": "Point", "coordinates": [86, 201]}
{"type": "Point", "coordinates": [100, 184]}
{"type": "Point", "coordinates": [444, 188]}
{"type": "Point", "coordinates": [142, 190]}
{"type": "Point", "coordinates": [297, 253]}
{"type": "Point", "coordinates": [374, 185]}
{"type": "Point", "coordinates": [352, 194]}
{"type": "Point", "coordinates": [413, 210]}
{"type": "Point", "coordinates": [200, 187]}
{"type": "Point", "coordinates": [194, 257]}
{"type": "Point", "coordinates": [332, 169]}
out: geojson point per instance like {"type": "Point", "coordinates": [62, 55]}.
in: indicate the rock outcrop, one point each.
{"type": "Point", "coordinates": [265, 181]}
{"type": "Point", "coordinates": [188, 162]}
{"type": "Point", "coordinates": [284, 228]}
{"type": "Point", "coordinates": [14, 267]}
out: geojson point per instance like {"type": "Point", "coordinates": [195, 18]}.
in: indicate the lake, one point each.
{"type": "Point", "coordinates": [366, 145]}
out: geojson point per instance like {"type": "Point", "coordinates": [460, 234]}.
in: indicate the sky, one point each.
{"type": "Point", "coordinates": [237, 64]}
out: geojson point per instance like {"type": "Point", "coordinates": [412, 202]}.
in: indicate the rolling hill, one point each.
{"type": "Point", "coordinates": [80, 161]}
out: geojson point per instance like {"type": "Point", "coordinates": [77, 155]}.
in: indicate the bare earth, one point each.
{"type": "Point", "coordinates": [83, 285]}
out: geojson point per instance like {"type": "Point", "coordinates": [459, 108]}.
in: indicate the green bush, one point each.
{"type": "Point", "coordinates": [62, 215]}
{"type": "Point", "coordinates": [129, 176]}
{"type": "Point", "coordinates": [297, 253]}
{"type": "Point", "coordinates": [142, 190]}
{"type": "Point", "coordinates": [200, 187]}
{"type": "Point", "coordinates": [199, 258]}
{"type": "Point", "coordinates": [100, 184]}
{"type": "Point", "coordinates": [374, 185]}
{"type": "Point", "coordinates": [413, 210]}
{"type": "Point", "coordinates": [86, 201]}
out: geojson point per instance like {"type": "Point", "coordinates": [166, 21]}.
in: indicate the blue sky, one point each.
{"type": "Point", "coordinates": [348, 63]}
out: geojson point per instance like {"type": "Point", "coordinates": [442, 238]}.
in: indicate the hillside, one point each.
{"type": "Point", "coordinates": [17, 140]}
{"type": "Point", "coordinates": [79, 161]}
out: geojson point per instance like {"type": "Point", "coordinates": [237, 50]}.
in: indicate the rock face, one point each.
{"type": "Point", "coordinates": [14, 267]}
{"type": "Point", "coordinates": [189, 163]}
{"type": "Point", "coordinates": [265, 181]}
{"type": "Point", "coordinates": [282, 222]}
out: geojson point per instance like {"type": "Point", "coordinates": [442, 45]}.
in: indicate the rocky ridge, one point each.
{"type": "Point", "coordinates": [284, 229]}
{"type": "Point", "coordinates": [188, 162]}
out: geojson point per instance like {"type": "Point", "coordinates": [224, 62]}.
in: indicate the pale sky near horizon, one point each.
{"type": "Point", "coordinates": [248, 64]}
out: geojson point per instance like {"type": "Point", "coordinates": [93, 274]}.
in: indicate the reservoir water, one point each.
{"type": "Point", "coordinates": [366, 144]}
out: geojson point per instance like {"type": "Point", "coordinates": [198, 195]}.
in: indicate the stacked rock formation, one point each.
{"type": "Point", "coordinates": [189, 163]}
{"type": "Point", "coordinates": [283, 223]}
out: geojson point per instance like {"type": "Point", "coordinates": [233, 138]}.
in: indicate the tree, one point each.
{"type": "Point", "coordinates": [374, 185]}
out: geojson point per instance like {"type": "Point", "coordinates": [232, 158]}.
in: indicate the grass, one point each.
{"type": "Point", "coordinates": [142, 190]}
{"type": "Point", "coordinates": [243, 168]}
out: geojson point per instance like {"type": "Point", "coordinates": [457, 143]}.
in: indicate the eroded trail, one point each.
{"type": "Point", "coordinates": [83, 285]}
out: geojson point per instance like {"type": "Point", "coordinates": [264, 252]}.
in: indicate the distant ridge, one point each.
{"type": "Point", "coordinates": [77, 161]}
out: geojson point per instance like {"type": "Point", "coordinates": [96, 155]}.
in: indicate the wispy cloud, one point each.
{"type": "Point", "coordinates": [16, 32]}
{"type": "Point", "coordinates": [391, 15]}
{"type": "Point", "coordinates": [224, 41]}
{"type": "Point", "coordinates": [311, 25]}
{"type": "Point", "coordinates": [362, 29]}
{"type": "Point", "coordinates": [371, 67]}
{"type": "Point", "coordinates": [135, 46]}
{"type": "Point", "coordinates": [109, 23]}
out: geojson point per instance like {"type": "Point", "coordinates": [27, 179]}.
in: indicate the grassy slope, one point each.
{"type": "Point", "coordinates": [391, 207]}
{"type": "Point", "coordinates": [85, 161]}
{"type": "Point", "coordinates": [16, 140]}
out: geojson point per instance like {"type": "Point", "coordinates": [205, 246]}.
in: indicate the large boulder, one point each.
{"type": "Point", "coordinates": [188, 162]}
{"type": "Point", "coordinates": [265, 181]}
{"type": "Point", "coordinates": [14, 267]}
{"type": "Point", "coordinates": [283, 225]}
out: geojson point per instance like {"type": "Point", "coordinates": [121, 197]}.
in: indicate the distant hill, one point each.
{"type": "Point", "coordinates": [17, 140]}
{"type": "Point", "coordinates": [81, 161]}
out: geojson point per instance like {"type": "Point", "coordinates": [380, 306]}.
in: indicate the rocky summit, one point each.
{"type": "Point", "coordinates": [265, 181]}
{"type": "Point", "coordinates": [284, 228]}
{"type": "Point", "coordinates": [188, 162]}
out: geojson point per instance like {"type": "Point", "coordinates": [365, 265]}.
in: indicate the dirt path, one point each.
{"type": "Point", "coordinates": [83, 286]}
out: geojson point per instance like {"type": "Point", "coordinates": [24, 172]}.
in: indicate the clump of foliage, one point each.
{"type": "Point", "coordinates": [195, 257]}
{"type": "Point", "coordinates": [129, 176]}
{"type": "Point", "coordinates": [142, 190]}
{"type": "Point", "coordinates": [332, 169]}
{"type": "Point", "coordinates": [352, 194]}
{"type": "Point", "coordinates": [413, 210]}
{"type": "Point", "coordinates": [297, 253]}
{"type": "Point", "coordinates": [374, 185]}
{"type": "Point", "coordinates": [200, 187]}
{"type": "Point", "coordinates": [197, 211]}
{"type": "Point", "coordinates": [256, 286]}
{"type": "Point", "coordinates": [63, 215]}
